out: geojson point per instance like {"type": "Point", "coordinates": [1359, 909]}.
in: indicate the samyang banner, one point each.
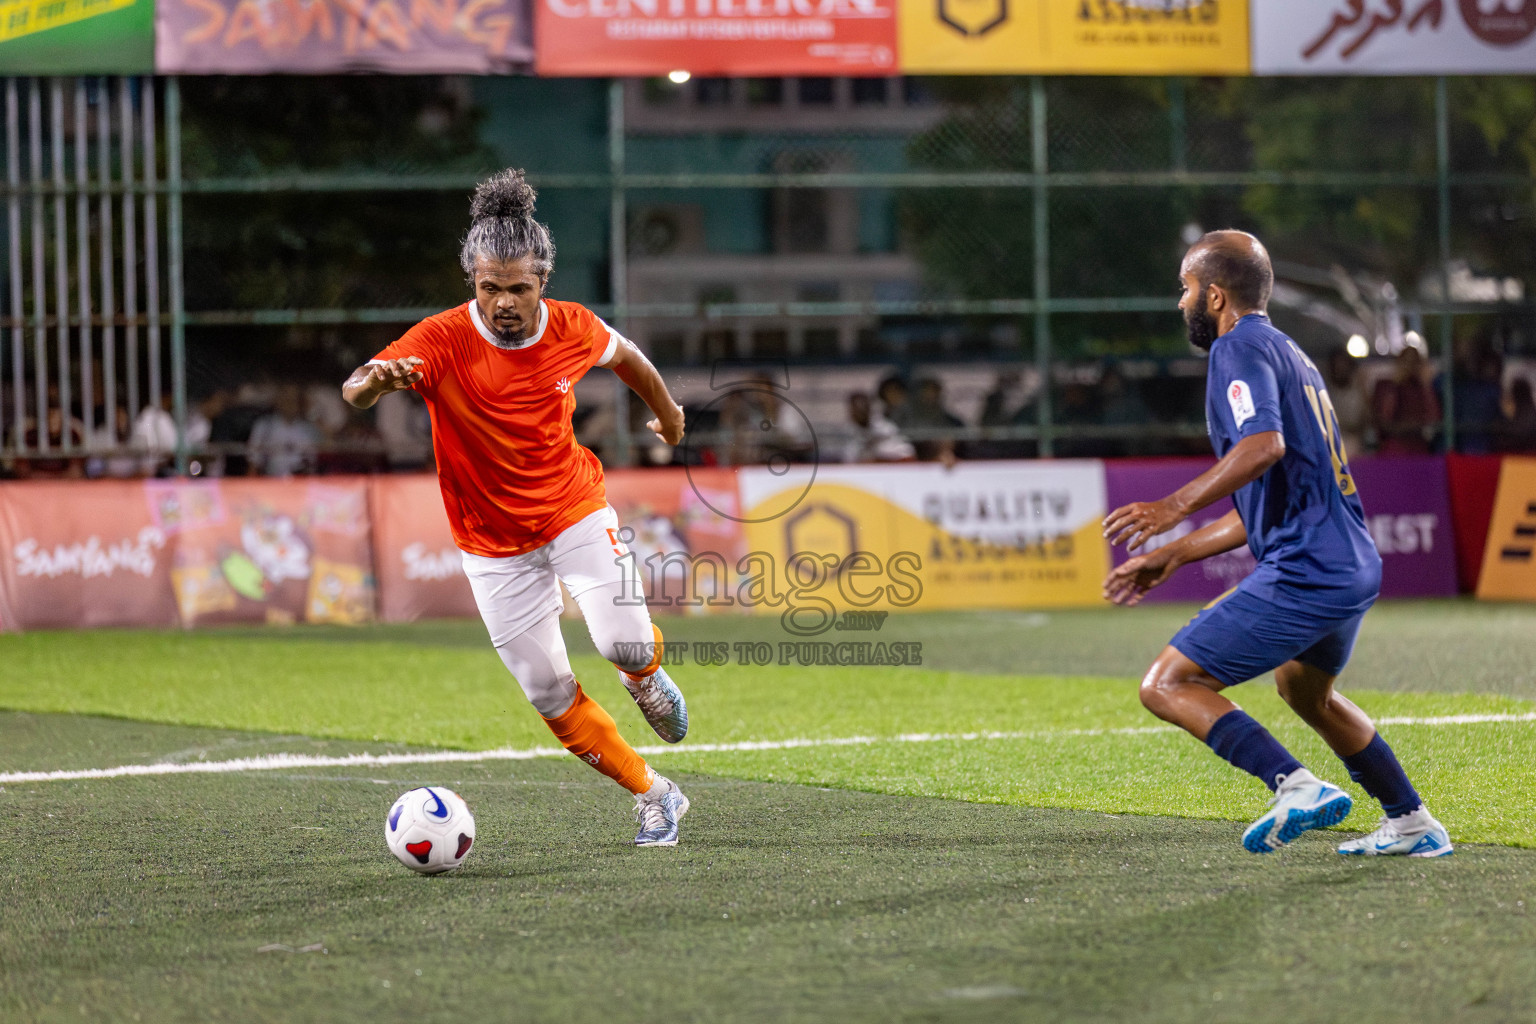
{"type": "Point", "coordinates": [77, 37]}
{"type": "Point", "coordinates": [1070, 37]}
{"type": "Point", "coordinates": [404, 37]}
{"type": "Point", "coordinates": [1393, 37]}
{"type": "Point", "coordinates": [716, 37]}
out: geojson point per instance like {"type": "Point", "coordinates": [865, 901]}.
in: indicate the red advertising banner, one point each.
{"type": "Point", "coordinates": [716, 37]}
{"type": "Point", "coordinates": [180, 552]}
{"type": "Point", "coordinates": [82, 554]}
{"type": "Point", "coordinates": [420, 571]}
{"type": "Point", "coordinates": [408, 37]}
{"type": "Point", "coordinates": [274, 551]}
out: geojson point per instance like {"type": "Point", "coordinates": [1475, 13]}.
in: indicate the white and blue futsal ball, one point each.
{"type": "Point", "coordinates": [430, 830]}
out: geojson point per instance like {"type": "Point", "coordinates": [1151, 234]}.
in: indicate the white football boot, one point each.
{"type": "Point", "coordinates": [1410, 835]}
{"type": "Point", "coordinates": [1303, 802]}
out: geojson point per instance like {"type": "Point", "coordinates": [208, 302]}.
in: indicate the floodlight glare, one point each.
{"type": "Point", "coordinates": [1357, 346]}
{"type": "Point", "coordinates": [678, 77]}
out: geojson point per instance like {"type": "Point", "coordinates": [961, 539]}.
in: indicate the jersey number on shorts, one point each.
{"type": "Point", "coordinates": [1328, 422]}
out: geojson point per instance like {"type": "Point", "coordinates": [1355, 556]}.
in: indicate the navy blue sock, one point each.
{"type": "Point", "coordinates": [1248, 745]}
{"type": "Point", "coordinates": [1375, 770]}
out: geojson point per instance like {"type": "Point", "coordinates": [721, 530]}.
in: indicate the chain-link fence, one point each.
{"type": "Point", "coordinates": [986, 265]}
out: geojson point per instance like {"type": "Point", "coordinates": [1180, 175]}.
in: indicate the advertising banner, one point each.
{"type": "Point", "coordinates": [404, 37]}
{"type": "Point", "coordinates": [273, 551]}
{"type": "Point", "coordinates": [83, 554]}
{"type": "Point", "coordinates": [716, 37]}
{"type": "Point", "coordinates": [1121, 37]}
{"type": "Point", "coordinates": [1509, 561]}
{"type": "Point", "coordinates": [923, 537]}
{"type": "Point", "coordinates": [1407, 509]}
{"type": "Point", "coordinates": [420, 570]}
{"type": "Point", "coordinates": [1384, 37]}
{"type": "Point", "coordinates": [77, 37]}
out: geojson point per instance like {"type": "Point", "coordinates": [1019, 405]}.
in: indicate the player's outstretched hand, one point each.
{"type": "Point", "coordinates": [394, 375]}
{"type": "Point", "coordinates": [672, 430]}
{"type": "Point", "coordinates": [1128, 582]}
{"type": "Point", "coordinates": [1140, 521]}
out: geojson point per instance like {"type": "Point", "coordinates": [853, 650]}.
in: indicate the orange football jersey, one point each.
{"type": "Point", "coordinates": [511, 472]}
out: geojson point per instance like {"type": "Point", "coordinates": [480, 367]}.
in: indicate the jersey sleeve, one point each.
{"type": "Point", "coordinates": [1250, 390]}
{"type": "Point", "coordinates": [605, 343]}
{"type": "Point", "coordinates": [424, 341]}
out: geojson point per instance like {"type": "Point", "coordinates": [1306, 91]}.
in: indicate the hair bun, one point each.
{"type": "Point", "coordinates": [505, 194]}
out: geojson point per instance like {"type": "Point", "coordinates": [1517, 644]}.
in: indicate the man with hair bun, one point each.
{"type": "Point", "coordinates": [526, 502]}
{"type": "Point", "coordinates": [1282, 461]}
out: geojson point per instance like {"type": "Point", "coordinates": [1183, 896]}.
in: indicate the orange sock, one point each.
{"type": "Point", "coordinates": [589, 732]}
{"type": "Point", "coordinates": [655, 657]}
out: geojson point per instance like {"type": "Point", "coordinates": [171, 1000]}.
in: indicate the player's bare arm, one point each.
{"type": "Point", "coordinates": [1129, 582]}
{"type": "Point", "coordinates": [1249, 459]}
{"type": "Point", "coordinates": [371, 382]}
{"type": "Point", "coordinates": [636, 371]}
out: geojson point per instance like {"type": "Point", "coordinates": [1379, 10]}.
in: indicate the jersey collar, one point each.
{"type": "Point", "coordinates": [489, 335]}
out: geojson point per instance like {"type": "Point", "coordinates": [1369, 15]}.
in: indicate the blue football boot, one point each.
{"type": "Point", "coordinates": [661, 702]}
{"type": "Point", "coordinates": [659, 815]}
{"type": "Point", "coordinates": [1303, 802]}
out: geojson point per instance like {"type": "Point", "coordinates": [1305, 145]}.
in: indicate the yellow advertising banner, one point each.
{"type": "Point", "coordinates": [1509, 558]}
{"type": "Point", "coordinates": [922, 537]}
{"type": "Point", "coordinates": [1074, 37]}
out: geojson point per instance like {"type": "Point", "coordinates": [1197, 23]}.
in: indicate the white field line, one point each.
{"type": "Point", "coordinates": [279, 762]}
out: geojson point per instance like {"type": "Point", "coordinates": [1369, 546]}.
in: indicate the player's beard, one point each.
{"type": "Point", "coordinates": [1200, 325]}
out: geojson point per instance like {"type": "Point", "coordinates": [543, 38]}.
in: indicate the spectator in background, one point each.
{"type": "Point", "coordinates": [895, 401]}
{"type": "Point", "coordinates": [1479, 405]}
{"type": "Point", "coordinates": [60, 429]}
{"type": "Point", "coordinates": [154, 437]}
{"type": "Point", "coordinates": [1349, 405]}
{"type": "Point", "coordinates": [930, 417]}
{"type": "Point", "coordinates": [230, 430]}
{"type": "Point", "coordinates": [873, 438]}
{"type": "Point", "coordinates": [284, 442]}
{"type": "Point", "coordinates": [109, 446]}
{"type": "Point", "coordinates": [1405, 409]}
{"type": "Point", "coordinates": [1075, 408]}
{"type": "Point", "coordinates": [1518, 431]}
{"type": "Point", "coordinates": [1002, 407]}
{"type": "Point", "coordinates": [406, 430]}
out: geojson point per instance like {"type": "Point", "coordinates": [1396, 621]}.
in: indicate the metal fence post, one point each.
{"type": "Point", "coordinates": [1443, 178]}
{"type": "Point", "coordinates": [1040, 152]}
{"type": "Point", "coordinates": [1178, 142]}
{"type": "Point", "coordinates": [174, 255]}
{"type": "Point", "coordinates": [618, 246]}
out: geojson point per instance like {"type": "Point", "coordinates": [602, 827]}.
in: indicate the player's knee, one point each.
{"type": "Point", "coordinates": [1162, 687]}
{"type": "Point", "coordinates": [631, 654]}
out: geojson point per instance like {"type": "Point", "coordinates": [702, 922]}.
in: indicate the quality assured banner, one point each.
{"type": "Point", "coordinates": [921, 537]}
{"type": "Point", "coordinates": [77, 37]}
{"type": "Point", "coordinates": [1406, 37]}
{"type": "Point", "coordinates": [716, 37]}
{"type": "Point", "coordinates": [1122, 37]}
{"type": "Point", "coordinates": [1407, 510]}
{"type": "Point", "coordinates": [409, 37]}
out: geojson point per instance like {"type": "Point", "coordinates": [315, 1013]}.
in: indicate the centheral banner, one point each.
{"type": "Point", "coordinates": [716, 37]}
{"type": "Point", "coordinates": [923, 537]}
{"type": "Point", "coordinates": [1406, 37]}
{"type": "Point", "coordinates": [1073, 37]}
{"type": "Point", "coordinates": [77, 37]}
{"type": "Point", "coordinates": [410, 37]}
{"type": "Point", "coordinates": [1407, 510]}
{"type": "Point", "coordinates": [1509, 559]}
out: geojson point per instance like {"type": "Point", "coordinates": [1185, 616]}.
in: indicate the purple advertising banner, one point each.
{"type": "Point", "coordinates": [233, 37]}
{"type": "Point", "coordinates": [1407, 508]}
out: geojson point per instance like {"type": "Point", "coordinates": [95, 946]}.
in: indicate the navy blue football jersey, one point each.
{"type": "Point", "coordinates": [1303, 515]}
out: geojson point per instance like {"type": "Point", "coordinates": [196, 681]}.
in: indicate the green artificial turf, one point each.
{"type": "Point", "coordinates": [440, 685]}
{"type": "Point", "coordinates": [270, 897]}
